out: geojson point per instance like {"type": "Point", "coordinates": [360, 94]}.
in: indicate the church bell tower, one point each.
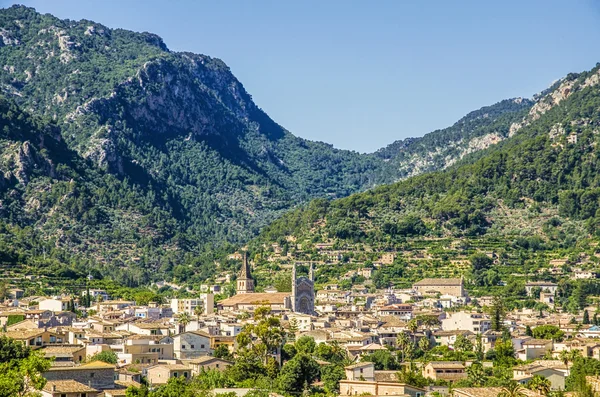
{"type": "Point", "coordinates": [245, 284]}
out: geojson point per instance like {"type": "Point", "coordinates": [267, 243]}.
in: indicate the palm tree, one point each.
{"type": "Point", "coordinates": [424, 344]}
{"type": "Point", "coordinates": [540, 384]}
{"type": "Point", "coordinates": [567, 356]}
{"type": "Point", "coordinates": [198, 311]}
{"type": "Point", "coordinates": [413, 326]}
{"type": "Point", "coordinates": [183, 319]}
{"type": "Point", "coordinates": [513, 389]}
{"type": "Point", "coordinates": [403, 342]}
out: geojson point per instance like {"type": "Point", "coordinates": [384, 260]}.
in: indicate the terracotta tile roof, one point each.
{"type": "Point", "coordinates": [256, 298]}
{"type": "Point", "coordinates": [68, 386]}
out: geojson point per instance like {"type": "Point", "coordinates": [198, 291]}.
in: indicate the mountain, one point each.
{"type": "Point", "coordinates": [160, 159]}
{"type": "Point", "coordinates": [536, 191]}
{"type": "Point", "coordinates": [442, 148]}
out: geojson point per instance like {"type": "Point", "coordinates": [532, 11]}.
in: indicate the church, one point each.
{"type": "Point", "coordinates": [300, 300]}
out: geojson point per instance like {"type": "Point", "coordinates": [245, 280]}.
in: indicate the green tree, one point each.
{"type": "Point", "coordinates": [264, 337]}
{"type": "Point", "coordinates": [497, 313]}
{"type": "Point", "coordinates": [383, 360]}
{"type": "Point", "coordinates": [223, 352]}
{"type": "Point", "coordinates": [305, 345]}
{"type": "Point", "coordinates": [297, 373]}
{"type": "Point", "coordinates": [107, 356]}
{"type": "Point", "coordinates": [513, 389]}
{"type": "Point", "coordinates": [586, 317]}
{"type": "Point", "coordinates": [540, 384]}
{"type": "Point", "coordinates": [21, 376]}
{"type": "Point", "coordinates": [183, 319]}
{"type": "Point", "coordinates": [548, 332]}
{"type": "Point", "coordinates": [331, 376]}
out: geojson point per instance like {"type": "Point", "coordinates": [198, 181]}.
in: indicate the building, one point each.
{"type": "Point", "coordinates": [444, 370]}
{"type": "Point", "coordinates": [524, 373]}
{"type": "Point", "coordinates": [205, 301]}
{"type": "Point", "coordinates": [442, 286]}
{"type": "Point", "coordinates": [466, 321]}
{"type": "Point", "coordinates": [534, 349]}
{"type": "Point", "coordinates": [207, 363]}
{"type": "Point", "coordinates": [191, 344]}
{"type": "Point", "coordinates": [303, 292]}
{"type": "Point", "coordinates": [278, 301]}
{"type": "Point", "coordinates": [362, 379]}
{"type": "Point", "coordinates": [55, 305]}
{"type": "Point", "coordinates": [488, 392]}
{"type": "Point", "coordinates": [245, 283]}
{"type": "Point", "coordinates": [544, 286]}
{"type": "Point", "coordinates": [97, 375]}
{"type": "Point", "coordinates": [68, 388]}
{"type": "Point", "coordinates": [160, 374]}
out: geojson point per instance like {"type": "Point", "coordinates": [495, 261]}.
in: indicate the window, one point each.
{"type": "Point", "coordinates": [91, 375]}
{"type": "Point", "coordinates": [185, 374]}
{"type": "Point", "coordinates": [175, 374]}
{"type": "Point", "coordinates": [192, 346]}
{"type": "Point", "coordinates": [183, 346]}
{"type": "Point", "coordinates": [217, 365]}
{"type": "Point", "coordinates": [63, 395]}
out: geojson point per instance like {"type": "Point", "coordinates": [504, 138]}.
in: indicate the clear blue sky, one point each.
{"type": "Point", "coordinates": [361, 74]}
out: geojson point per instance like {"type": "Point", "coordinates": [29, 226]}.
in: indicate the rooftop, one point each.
{"type": "Point", "coordinates": [440, 281]}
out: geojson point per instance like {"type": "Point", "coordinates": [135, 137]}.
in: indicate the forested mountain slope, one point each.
{"type": "Point", "coordinates": [552, 161]}
{"type": "Point", "coordinates": [159, 159]}
{"type": "Point", "coordinates": [440, 149]}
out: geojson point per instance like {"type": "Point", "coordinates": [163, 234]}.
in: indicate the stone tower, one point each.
{"type": "Point", "coordinates": [303, 292]}
{"type": "Point", "coordinates": [245, 284]}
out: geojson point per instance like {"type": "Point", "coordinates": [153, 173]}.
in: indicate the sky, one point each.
{"type": "Point", "coordinates": [362, 74]}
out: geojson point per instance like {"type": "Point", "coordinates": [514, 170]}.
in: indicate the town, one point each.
{"type": "Point", "coordinates": [429, 339]}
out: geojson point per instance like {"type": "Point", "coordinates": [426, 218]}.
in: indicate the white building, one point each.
{"type": "Point", "coordinates": [464, 321]}
{"type": "Point", "coordinates": [55, 304]}
{"type": "Point", "coordinates": [206, 301]}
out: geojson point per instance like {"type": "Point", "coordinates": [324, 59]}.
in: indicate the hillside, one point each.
{"type": "Point", "coordinates": [535, 193]}
{"type": "Point", "coordinates": [169, 159]}
{"type": "Point", "coordinates": [440, 149]}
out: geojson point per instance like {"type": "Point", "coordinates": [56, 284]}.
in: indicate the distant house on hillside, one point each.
{"type": "Point", "coordinates": [443, 286]}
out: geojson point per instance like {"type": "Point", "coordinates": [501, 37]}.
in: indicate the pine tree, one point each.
{"type": "Point", "coordinates": [586, 317]}
{"type": "Point", "coordinates": [528, 331]}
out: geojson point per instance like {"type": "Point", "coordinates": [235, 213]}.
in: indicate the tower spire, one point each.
{"type": "Point", "coordinates": [245, 283]}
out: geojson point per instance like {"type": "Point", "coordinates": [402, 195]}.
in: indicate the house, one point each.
{"type": "Point", "coordinates": [403, 311]}
{"type": "Point", "coordinates": [544, 286]}
{"type": "Point", "coordinates": [488, 392]}
{"type": "Point", "coordinates": [361, 371]}
{"type": "Point", "coordinates": [160, 374]}
{"type": "Point", "coordinates": [97, 374]}
{"type": "Point", "coordinates": [443, 286]}
{"type": "Point", "coordinates": [68, 388]}
{"type": "Point", "coordinates": [191, 344]}
{"type": "Point", "coordinates": [524, 373]}
{"type": "Point", "coordinates": [206, 363]}
{"type": "Point", "coordinates": [444, 370]}
{"type": "Point", "coordinates": [447, 338]}
{"type": "Point", "coordinates": [34, 338]}
{"type": "Point", "coordinates": [205, 301]}
{"type": "Point", "coordinates": [362, 379]}
{"type": "Point", "coordinates": [534, 349]}
{"type": "Point", "coordinates": [55, 304]}
{"type": "Point", "coordinates": [65, 354]}
{"type": "Point", "coordinates": [466, 321]}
